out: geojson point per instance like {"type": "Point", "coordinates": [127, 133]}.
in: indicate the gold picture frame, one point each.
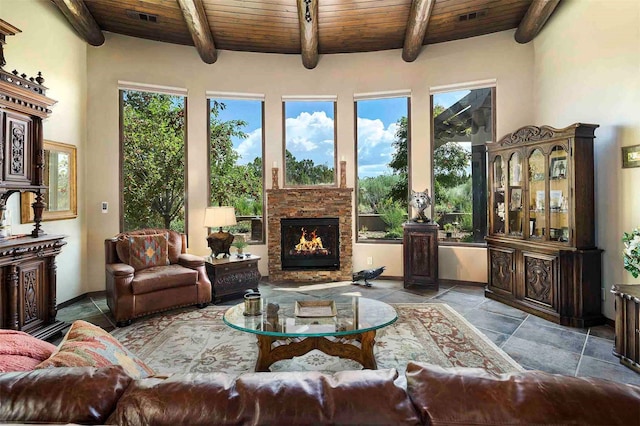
{"type": "Point", "coordinates": [60, 157]}
{"type": "Point", "coordinates": [630, 156]}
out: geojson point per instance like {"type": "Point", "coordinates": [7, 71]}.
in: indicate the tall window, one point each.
{"type": "Point", "coordinates": [382, 140]}
{"type": "Point", "coordinates": [235, 162]}
{"type": "Point", "coordinates": [153, 160]}
{"type": "Point", "coordinates": [309, 142]}
{"type": "Point", "coordinates": [463, 122]}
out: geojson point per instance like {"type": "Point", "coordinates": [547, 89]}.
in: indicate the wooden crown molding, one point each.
{"type": "Point", "coordinates": [416, 28]}
{"type": "Point", "coordinates": [308, 19]}
{"type": "Point", "coordinates": [199, 28]}
{"type": "Point", "coordinates": [81, 19]}
{"type": "Point", "coordinates": [535, 18]}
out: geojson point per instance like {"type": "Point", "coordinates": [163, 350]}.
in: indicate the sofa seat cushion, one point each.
{"type": "Point", "coordinates": [20, 351]}
{"type": "Point", "coordinates": [61, 395]}
{"type": "Point", "coordinates": [87, 345]}
{"type": "Point", "coordinates": [472, 396]}
{"type": "Point", "coordinates": [162, 277]}
{"type": "Point", "coordinates": [367, 397]}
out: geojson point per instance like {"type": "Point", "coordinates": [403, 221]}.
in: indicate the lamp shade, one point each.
{"type": "Point", "coordinates": [219, 216]}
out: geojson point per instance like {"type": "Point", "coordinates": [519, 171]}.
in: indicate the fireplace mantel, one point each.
{"type": "Point", "coordinates": [310, 202]}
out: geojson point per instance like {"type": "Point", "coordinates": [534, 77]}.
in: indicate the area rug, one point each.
{"type": "Point", "coordinates": [197, 341]}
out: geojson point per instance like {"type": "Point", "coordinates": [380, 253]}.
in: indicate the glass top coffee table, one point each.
{"type": "Point", "coordinates": [344, 326]}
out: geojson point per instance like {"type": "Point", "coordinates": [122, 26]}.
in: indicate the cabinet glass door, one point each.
{"type": "Point", "coordinates": [515, 195]}
{"type": "Point", "coordinates": [537, 202]}
{"type": "Point", "coordinates": [497, 210]}
{"type": "Point", "coordinates": [559, 197]}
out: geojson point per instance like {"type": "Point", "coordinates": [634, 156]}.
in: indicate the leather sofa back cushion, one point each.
{"type": "Point", "coordinates": [348, 397]}
{"type": "Point", "coordinates": [61, 395]}
{"type": "Point", "coordinates": [472, 396]}
{"type": "Point", "coordinates": [174, 240]}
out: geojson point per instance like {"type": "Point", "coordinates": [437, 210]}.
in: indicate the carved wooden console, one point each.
{"type": "Point", "coordinates": [28, 285]}
{"type": "Point", "coordinates": [27, 263]}
{"type": "Point", "coordinates": [542, 256]}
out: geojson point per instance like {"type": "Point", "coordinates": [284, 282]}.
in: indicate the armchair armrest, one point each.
{"type": "Point", "coordinates": [191, 261]}
{"type": "Point", "coordinates": [119, 269]}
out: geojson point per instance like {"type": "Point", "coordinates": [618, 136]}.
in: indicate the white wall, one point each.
{"type": "Point", "coordinates": [47, 43]}
{"type": "Point", "coordinates": [587, 69]}
{"type": "Point", "coordinates": [129, 59]}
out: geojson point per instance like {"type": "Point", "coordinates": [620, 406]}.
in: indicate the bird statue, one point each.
{"type": "Point", "coordinates": [367, 274]}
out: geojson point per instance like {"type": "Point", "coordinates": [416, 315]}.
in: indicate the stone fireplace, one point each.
{"type": "Point", "coordinates": [330, 208]}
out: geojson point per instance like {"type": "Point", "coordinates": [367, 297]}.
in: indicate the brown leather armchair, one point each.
{"type": "Point", "coordinates": [133, 293]}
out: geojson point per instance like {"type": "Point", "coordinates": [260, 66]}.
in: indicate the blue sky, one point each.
{"type": "Point", "coordinates": [309, 129]}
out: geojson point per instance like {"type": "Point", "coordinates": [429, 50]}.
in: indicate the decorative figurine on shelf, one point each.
{"type": "Point", "coordinates": [420, 201]}
{"type": "Point", "coordinates": [366, 275]}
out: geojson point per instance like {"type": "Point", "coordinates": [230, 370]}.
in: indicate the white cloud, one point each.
{"type": "Point", "coordinates": [251, 147]}
{"type": "Point", "coordinates": [375, 147]}
{"type": "Point", "coordinates": [307, 133]}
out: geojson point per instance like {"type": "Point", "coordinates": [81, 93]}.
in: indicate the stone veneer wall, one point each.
{"type": "Point", "coordinates": [310, 202]}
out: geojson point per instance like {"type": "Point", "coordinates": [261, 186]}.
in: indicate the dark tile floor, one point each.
{"type": "Point", "coordinates": [533, 342]}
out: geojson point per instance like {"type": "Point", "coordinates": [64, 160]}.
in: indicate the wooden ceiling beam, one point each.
{"type": "Point", "coordinates": [534, 19]}
{"type": "Point", "coordinates": [308, 19]}
{"type": "Point", "coordinates": [196, 20]}
{"type": "Point", "coordinates": [416, 28]}
{"type": "Point", "coordinates": [82, 20]}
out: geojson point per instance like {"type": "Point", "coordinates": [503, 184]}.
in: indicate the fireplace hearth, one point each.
{"type": "Point", "coordinates": [310, 243]}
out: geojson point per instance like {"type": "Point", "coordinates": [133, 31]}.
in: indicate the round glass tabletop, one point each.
{"type": "Point", "coordinates": [340, 316]}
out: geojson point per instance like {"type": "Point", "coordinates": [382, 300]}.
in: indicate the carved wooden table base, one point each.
{"type": "Point", "coordinates": [358, 347]}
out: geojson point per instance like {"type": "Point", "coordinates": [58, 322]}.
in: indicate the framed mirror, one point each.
{"type": "Point", "coordinates": [60, 176]}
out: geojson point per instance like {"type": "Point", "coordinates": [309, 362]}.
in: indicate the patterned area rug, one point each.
{"type": "Point", "coordinates": [197, 341]}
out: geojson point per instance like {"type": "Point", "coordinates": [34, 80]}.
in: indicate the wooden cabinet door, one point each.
{"type": "Point", "coordinates": [17, 148]}
{"type": "Point", "coordinates": [32, 291]}
{"type": "Point", "coordinates": [541, 279]}
{"type": "Point", "coordinates": [502, 270]}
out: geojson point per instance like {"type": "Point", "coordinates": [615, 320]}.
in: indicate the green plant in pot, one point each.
{"type": "Point", "coordinates": [239, 245]}
{"type": "Point", "coordinates": [449, 228]}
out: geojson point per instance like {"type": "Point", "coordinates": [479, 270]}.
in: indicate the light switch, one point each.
{"type": "Point", "coordinates": [105, 207]}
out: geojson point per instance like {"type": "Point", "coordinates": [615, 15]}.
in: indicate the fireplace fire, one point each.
{"type": "Point", "coordinates": [310, 243]}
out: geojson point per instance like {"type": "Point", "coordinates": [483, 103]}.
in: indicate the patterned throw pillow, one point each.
{"type": "Point", "coordinates": [146, 251]}
{"type": "Point", "coordinates": [87, 345]}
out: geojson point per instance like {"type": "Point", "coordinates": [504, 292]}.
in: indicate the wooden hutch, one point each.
{"type": "Point", "coordinates": [542, 256]}
{"type": "Point", "coordinates": [27, 263]}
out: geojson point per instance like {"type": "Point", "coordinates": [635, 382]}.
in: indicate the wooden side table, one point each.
{"type": "Point", "coordinates": [627, 342]}
{"type": "Point", "coordinates": [232, 276]}
{"type": "Point", "coordinates": [421, 255]}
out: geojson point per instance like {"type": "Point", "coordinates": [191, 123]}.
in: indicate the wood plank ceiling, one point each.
{"type": "Point", "coordinates": [306, 27]}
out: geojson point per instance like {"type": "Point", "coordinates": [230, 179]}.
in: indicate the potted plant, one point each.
{"type": "Point", "coordinates": [449, 228]}
{"type": "Point", "coordinates": [239, 245]}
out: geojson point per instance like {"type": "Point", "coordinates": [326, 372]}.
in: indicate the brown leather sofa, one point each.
{"type": "Point", "coordinates": [433, 396]}
{"type": "Point", "coordinates": [133, 293]}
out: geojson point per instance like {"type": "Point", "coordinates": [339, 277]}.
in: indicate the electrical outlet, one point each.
{"type": "Point", "coordinates": [105, 207]}
{"type": "Point", "coordinates": [369, 260]}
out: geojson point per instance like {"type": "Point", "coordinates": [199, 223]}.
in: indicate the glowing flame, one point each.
{"type": "Point", "coordinates": [312, 244]}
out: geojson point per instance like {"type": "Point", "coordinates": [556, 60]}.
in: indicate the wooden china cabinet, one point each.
{"type": "Point", "coordinates": [542, 256]}
{"type": "Point", "coordinates": [27, 262]}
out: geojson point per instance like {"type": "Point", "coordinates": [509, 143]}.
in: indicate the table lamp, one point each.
{"type": "Point", "coordinates": [220, 241]}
